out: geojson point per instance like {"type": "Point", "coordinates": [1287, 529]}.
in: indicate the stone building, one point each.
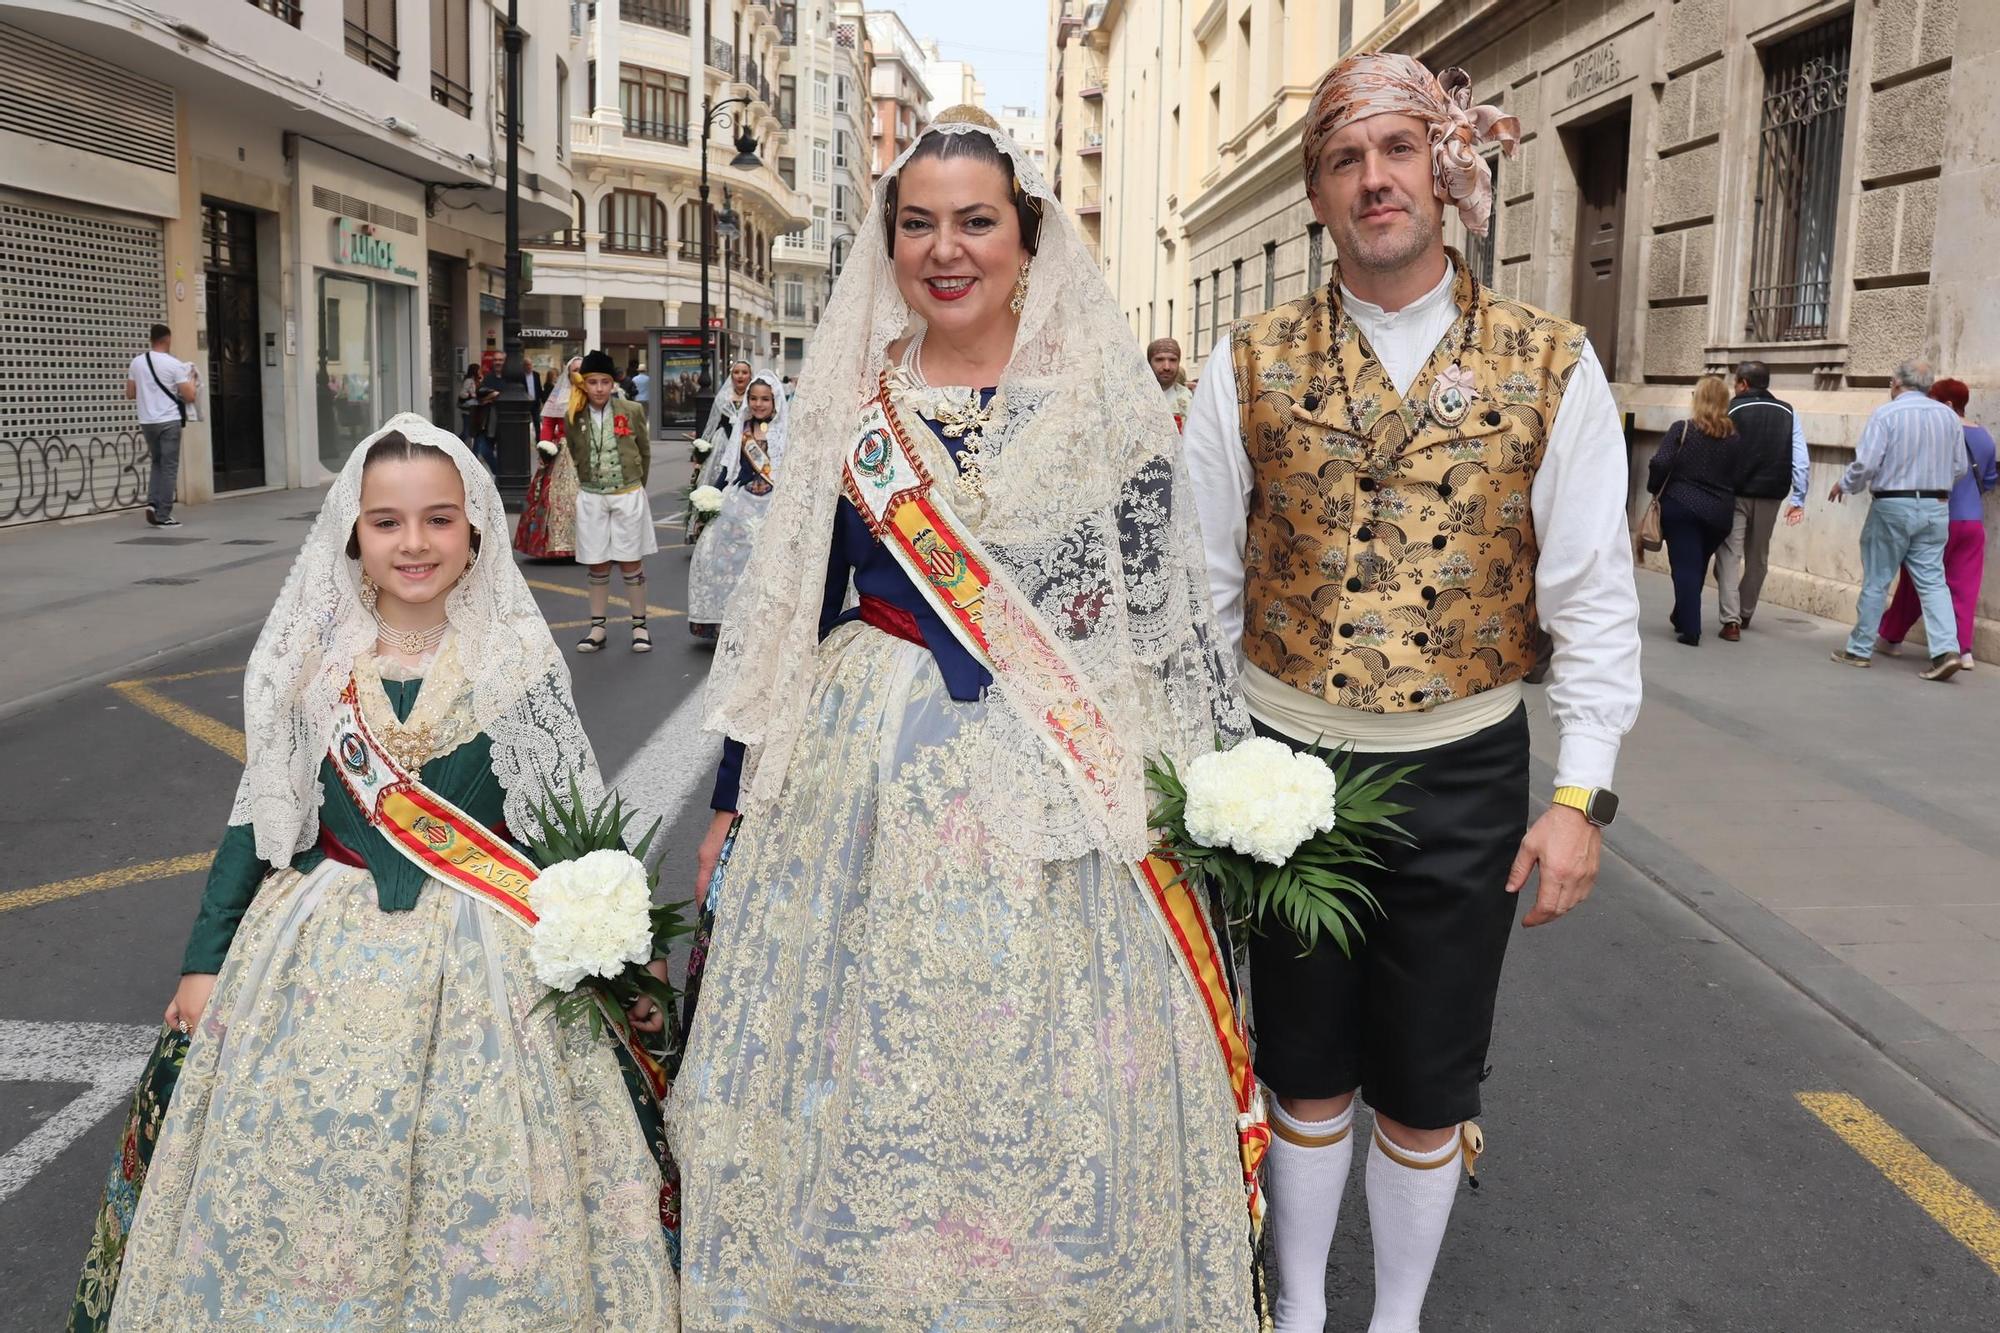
{"type": "Point", "coordinates": [1700, 181]}
{"type": "Point", "coordinates": [901, 98]}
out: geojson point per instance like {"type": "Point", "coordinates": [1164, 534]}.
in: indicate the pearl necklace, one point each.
{"type": "Point", "coordinates": [410, 642]}
{"type": "Point", "coordinates": [955, 408]}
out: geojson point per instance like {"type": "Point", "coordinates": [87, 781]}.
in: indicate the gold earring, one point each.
{"type": "Point", "coordinates": [1020, 300]}
{"type": "Point", "coordinates": [369, 592]}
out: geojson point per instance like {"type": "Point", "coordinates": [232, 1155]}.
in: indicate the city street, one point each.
{"type": "Point", "coordinates": [1680, 1137]}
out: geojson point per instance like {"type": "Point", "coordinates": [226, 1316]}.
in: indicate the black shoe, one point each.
{"type": "Point", "coordinates": [1691, 640]}
{"type": "Point", "coordinates": [1943, 667]}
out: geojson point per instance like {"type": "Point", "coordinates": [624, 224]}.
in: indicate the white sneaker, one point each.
{"type": "Point", "coordinates": [1965, 661]}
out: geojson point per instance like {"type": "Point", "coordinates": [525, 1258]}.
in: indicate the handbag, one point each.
{"type": "Point", "coordinates": [1648, 535]}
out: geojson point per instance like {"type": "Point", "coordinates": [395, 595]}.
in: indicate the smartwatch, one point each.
{"type": "Point", "coordinates": [1598, 805]}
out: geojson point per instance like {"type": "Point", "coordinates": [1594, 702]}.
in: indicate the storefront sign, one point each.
{"type": "Point", "coordinates": [553, 335]}
{"type": "Point", "coordinates": [359, 245]}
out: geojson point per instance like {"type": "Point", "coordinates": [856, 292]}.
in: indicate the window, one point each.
{"type": "Point", "coordinates": [1215, 115]}
{"type": "Point", "coordinates": [288, 10]}
{"type": "Point", "coordinates": [633, 221]}
{"type": "Point", "coordinates": [819, 161]}
{"type": "Point", "coordinates": [795, 298]}
{"type": "Point", "coordinates": [451, 55]}
{"type": "Point", "coordinates": [1194, 342]}
{"type": "Point", "coordinates": [788, 101]}
{"type": "Point", "coordinates": [1346, 28]}
{"type": "Point", "coordinates": [687, 226]}
{"type": "Point", "coordinates": [840, 92]}
{"type": "Point", "coordinates": [1236, 298]}
{"type": "Point", "coordinates": [562, 112]}
{"type": "Point", "coordinates": [819, 228]}
{"type": "Point", "coordinates": [654, 103]}
{"type": "Point", "coordinates": [1798, 184]}
{"type": "Point", "coordinates": [371, 35]}
{"type": "Point", "coordinates": [1270, 274]}
{"type": "Point", "coordinates": [840, 148]}
{"type": "Point", "coordinates": [1315, 254]}
{"type": "Point", "coordinates": [1170, 320]}
{"type": "Point", "coordinates": [788, 172]}
{"type": "Point", "coordinates": [819, 92]}
{"type": "Point", "coordinates": [500, 78]}
{"type": "Point", "coordinates": [840, 203]}
{"type": "Point", "coordinates": [1214, 304]}
{"type": "Point", "coordinates": [1479, 249]}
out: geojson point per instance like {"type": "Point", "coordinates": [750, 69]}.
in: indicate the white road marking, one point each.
{"type": "Point", "coordinates": [675, 763]}
{"type": "Point", "coordinates": [107, 1056]}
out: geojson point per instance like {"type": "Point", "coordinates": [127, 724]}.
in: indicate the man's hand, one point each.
{"type": "Point", "coordinates": [1794, 515]}
{"type": "Point", "coordinates": [1566, 847]}
{"type": "Point", "coordinates": [1837, 495]}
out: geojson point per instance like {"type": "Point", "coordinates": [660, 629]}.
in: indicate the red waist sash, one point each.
{"type": "Point", "coordinates": [891, 619]}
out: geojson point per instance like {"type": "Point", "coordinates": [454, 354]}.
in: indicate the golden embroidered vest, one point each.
{"type": "Point", "coordinates": [1390, 552]}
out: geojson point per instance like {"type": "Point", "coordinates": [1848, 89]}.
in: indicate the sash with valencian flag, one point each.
{"type": "Point", "coordinates": [448, 844]}
{"type": "Point", "coordinates": [888, 482]}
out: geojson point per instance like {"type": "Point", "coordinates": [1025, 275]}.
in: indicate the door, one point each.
{"type": "Point", "coordinates": [445, 370]}
{"type": "Point", "coordinates": [235, 376]}
{"type": "Point", "coordinates": [1601, 150]}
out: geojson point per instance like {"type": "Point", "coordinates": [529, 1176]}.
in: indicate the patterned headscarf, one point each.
{"type": "Point", "coordinates": [1377, 84]}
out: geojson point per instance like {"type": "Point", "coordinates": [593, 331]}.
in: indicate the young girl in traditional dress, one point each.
{"type": "Point", "coordinates": [746, 471]}
{"type": "Point", "coordinates": [547, 528]}
{"type": "Point", "coordinates": [373, 1129]}
{"type": "Point", "coordinates": [949, 1068]}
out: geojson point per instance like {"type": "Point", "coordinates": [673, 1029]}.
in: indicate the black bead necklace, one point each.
{"type": "Point", "coordinates": [1468, 331]}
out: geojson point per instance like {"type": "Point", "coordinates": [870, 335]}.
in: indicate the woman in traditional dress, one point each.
{"type": "Point", "coordinates": [713, 442]}
{"type": "Point", "coordinates": [374, 1129]}
{"type": "Point", "coordinates": [547, 527]}
{"type": "Point", "coordinates": [947, 1070]}
{"type": "Point", "coordinates": [746, 471]}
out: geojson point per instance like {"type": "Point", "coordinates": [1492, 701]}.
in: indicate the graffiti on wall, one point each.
{"type": "Point", "coordinates": [62, 476]}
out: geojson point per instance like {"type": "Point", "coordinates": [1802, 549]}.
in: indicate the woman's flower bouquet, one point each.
{"type": "Point", "coordinates": [597, 925]}
{"type": "Point", "coordinates": [703, 504]}
{"type": "Point", "coordinates": [1276, 829]}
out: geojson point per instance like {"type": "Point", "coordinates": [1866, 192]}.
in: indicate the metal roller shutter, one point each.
{"type": "Point", "coordinates": [79, 291]}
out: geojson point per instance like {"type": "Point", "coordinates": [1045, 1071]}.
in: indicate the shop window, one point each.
{"type": "Point", "coordinates": [365, 347]}
{"type": "Point", "coordinates": [1798, 183]}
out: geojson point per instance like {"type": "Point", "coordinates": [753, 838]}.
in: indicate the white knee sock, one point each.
{"type": "Point", "coordinates": [1305, 1173]}
{"type": "Point", "coordinates": [1408, 1206]}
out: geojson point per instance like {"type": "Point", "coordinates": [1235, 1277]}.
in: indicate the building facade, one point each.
{"type": "Point", "coordinates": [1029, 128]}
{"type": "Point", "coordinates": [901, 98]}
{"type": "Point", "coordinates": [951, 82]}
{"type": "Point", "coordinates": [624, 270]}
{"type": "Point", "coordinates": [1700, 181]}
{"type": "Point", "coordinates": [307, 194]}
{"type": "Point", "coordinates": [831, 155]}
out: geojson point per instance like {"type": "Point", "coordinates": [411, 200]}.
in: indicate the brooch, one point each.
{"type": "Point", "coordinates": [1452, 393]}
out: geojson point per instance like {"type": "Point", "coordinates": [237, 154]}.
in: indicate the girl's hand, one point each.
{"type": "Point", "coordinates": [711, 852]}
{"type": "Point", "coordinates": [190, 999]}
{"type": "Point", "coordinates": [644, 1014]}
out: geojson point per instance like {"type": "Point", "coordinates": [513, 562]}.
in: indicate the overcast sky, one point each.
{"type": "Point", "coordinates": [1005, 41]}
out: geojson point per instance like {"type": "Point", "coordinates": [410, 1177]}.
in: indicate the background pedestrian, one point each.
{"type": "Point", "coordinates": [1776, 472]}
{"type": "Point", "coordinates": [1696, 472]}
{"type": "Point", "coordinates": [1912, 453]}
{"type": "Point", "coordinates": [162, 385]}
{"type": "Point", "coordinates": [468, 405]}
{"type": "Point", "coordinates": [1965, 539]}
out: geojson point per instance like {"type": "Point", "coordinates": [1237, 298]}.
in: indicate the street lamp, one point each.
{"type": "Point", "coordinates": [745, 160]}
{"type": "Point", "coordinates": [515, 404]}
{"type": "Point", "coordinates": [833, 254]}
{"type": "Point", "coordinates": [727, 228]}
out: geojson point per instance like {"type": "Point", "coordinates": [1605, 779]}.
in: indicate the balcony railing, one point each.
{"type": "Point", "coordinates": [288, 10]}
{"type": "Point", "coordinates": [373, 51]}
{"type": "Point", "coordinates": [721, 55]}
{"type": "Point", "coordinates": [569, 238]}
{"type": "Point", "coordinates": [659, 131]}
{"type": "Point", "coordinates": [795, 309]}
{"type": "Point", "coordinates": [691, 251]}
{"type": "Point", "coordinates": [668, 17]}
{"type": "Point", "coordinates": [449, 92]}
{"type": "Point", "coordinates": [788, 117]}
{"type": "Point", "coordinates": [753, 77]}
{"type": "Point", "coordinates": [1093, 142]}
{"type": "Point", "coordinates": [1093, 82]}
{"type": "Point", "coordinates": [635, 243]}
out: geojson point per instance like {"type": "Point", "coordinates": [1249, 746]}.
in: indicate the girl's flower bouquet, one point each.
{"type": "Point", "coordinates": [1276, 831]}
{"type": "Point", "coordinates": [597, 925]}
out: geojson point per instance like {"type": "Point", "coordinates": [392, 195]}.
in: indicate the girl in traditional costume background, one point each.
{"type": "Point", "coordinates": [713, 441]}
{"type": "Point", "coordinates": [547, 528]}
{"type": "Point", "coordinates": [746, 472]}
{"type": "Point", "coordinates": [373, 1129]}
{"type": "Point", "coordinates": [946, 1070]}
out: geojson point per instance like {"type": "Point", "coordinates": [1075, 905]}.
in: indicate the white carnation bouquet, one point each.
{"type": "Point", "coordinates": [705, 501]}
{"type": "Point", "coordinates": [1277, 830]}
{"type": "Point", "coordinates": [597, 925]}
{"type": "Point", "coordinates": [703, 447]}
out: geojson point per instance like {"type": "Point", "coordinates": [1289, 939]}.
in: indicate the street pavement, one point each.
{"type": "Point", "coordinates": [1748, 1086]}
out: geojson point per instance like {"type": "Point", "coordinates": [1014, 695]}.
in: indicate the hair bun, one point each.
{"type": "Point", "coordinates": [965, 114]}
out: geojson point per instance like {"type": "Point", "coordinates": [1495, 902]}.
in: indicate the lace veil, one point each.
{"type": "Point", "coordinates": [722, 401]}
{"type": "Point", "coordinates": [722, 463]}
{"type": "Point", "coordinates": [1087, 511]}
{"type": "Point", "coordinates": [520, 687]}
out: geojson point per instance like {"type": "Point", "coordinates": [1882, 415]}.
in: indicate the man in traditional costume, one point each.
{"type": "Point", "coordinates": [1412, 492]}
{"type": "Point", "coordinates": [609, 442]}
{"type": "Point", "coordinates": [1163, 355]}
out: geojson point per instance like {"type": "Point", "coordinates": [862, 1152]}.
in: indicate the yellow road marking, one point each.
{"type": "Point", "coordinates": [1969, 1218]}
{"type": "Point", "coordinates": [188, 675]}
{"type": "Point", "coordinates": [584, 593]}
{"type": "Point", "coordinates": [198, 725]}
{"type": "Point", "coordinates": [104, 879]}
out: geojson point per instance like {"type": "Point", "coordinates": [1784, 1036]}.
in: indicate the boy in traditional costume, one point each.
{"type": "Point", "coordinates": [612, 448]}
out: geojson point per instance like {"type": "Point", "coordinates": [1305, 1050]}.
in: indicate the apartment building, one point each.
{"type": "Point", "coordinates": [901, 97]}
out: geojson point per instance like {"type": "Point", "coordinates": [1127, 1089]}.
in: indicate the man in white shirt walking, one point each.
{"type": "Point", "coordinates": [162, 385]}
{"type": "Point", "coordinates": [1412, 495]}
